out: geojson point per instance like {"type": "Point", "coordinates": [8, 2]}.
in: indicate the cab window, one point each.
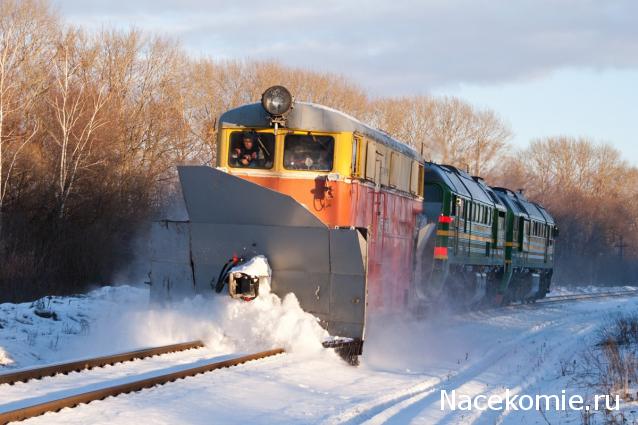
{"type": "Point", "coordinates": [251, 150]}
{"type": "Point", "coordinates": [308, 152]}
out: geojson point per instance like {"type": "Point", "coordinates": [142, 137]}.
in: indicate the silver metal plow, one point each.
{"type": "Point", "coordinates": [229, 216]}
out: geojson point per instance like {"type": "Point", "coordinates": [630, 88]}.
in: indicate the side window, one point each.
{"type": "Point", "coordinates": [251, 150]}
{"type": "Point", "coordinates": [355, 167]}
{"type": "Point", "coordinates": [383, 156]}
{"type": "Point", "coordinates": [459, 207]}
{"type": "Point", "coordinates": [395, 169]}
{"type": "Point", "coordinates": [371, 160]}
{"type": "Point", "coordinates": [377, 163]}
{"type": "Point", "coordinates": [308, 152]}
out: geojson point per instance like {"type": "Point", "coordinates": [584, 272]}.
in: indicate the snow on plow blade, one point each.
{"type": "Point", "coordinates": [325, 268]}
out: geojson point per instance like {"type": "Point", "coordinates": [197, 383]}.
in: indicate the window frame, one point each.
{"type": "Point", "coordinates": [334, 151]}
{"type": "Point", "coordinates": [230, 149]}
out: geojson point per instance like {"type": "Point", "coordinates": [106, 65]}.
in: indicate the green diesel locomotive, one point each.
{"type": "Point", "coordinates": [490, 244]}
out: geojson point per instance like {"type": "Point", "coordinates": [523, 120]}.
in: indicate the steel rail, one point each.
{"type": "Point", "coordinates": [25, 375]}
{"type": "Point", "coordinates": [102, 393]}
{"type": "Point", "coordinates": [576, 297]}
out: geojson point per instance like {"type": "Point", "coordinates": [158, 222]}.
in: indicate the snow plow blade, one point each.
{"type": "Point", "coordinates": [325, 268]}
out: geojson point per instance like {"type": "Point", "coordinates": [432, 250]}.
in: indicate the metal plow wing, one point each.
{"type": "Point", "coordinates": [325, 268]}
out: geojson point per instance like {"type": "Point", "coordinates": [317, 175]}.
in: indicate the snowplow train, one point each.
{"type": "Point", "coordinates": [350, 220]}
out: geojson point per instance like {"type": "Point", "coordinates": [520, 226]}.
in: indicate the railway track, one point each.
{"type": "Point", "coordinates": [28, 408]}
{"type": "Point", "coordinates": [24, 375]}
{"type": "Point", "coordinates": [577, 297]}
{"type": "Point", "coordinates": [542, 301]}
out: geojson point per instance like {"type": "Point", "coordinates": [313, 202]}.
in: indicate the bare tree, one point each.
{"type": "Point", "coordinates": [488, 142]}
{"type": "Point", "coordinates": [409, 119]}
{"type": "Point", "coordinates": [447, 130]}
{"type": "Point", "coordinates": [76, 103]}
{"type": "Point", "coordinates": [592, 194]}
{"type": "Point", "coordinates": [25, 35]}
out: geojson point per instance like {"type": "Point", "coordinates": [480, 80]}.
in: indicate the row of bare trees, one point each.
{"type": "Point", "coordinates": [92, 125]}
{"type": "Point", "coordinates": [593, 194]}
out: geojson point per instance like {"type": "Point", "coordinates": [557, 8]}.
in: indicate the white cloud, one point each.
{"type": "Point", "coordinates": [393, 47]}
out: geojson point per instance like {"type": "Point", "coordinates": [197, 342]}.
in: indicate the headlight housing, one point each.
{"type": "Point", "coordinates": [276, 100]}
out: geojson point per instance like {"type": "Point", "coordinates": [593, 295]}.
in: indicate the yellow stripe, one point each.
{"type": "Point", "coordinates": [444, 233]}
{"type": "Point", "coordinates": [462, 235]}
{"type": "Point", "coordinates": [510, 244]}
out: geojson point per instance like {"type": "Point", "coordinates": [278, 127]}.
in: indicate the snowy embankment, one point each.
{"type": "Point", "coordinates": [114, 319]}
{"type": "Point", "coordinates": [406, 364]}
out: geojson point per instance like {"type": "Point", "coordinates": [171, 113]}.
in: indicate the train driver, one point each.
{"type": "Point", "coordinates": [248, 153]}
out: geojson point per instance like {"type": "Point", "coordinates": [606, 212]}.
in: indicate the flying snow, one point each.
{"type": "Point", "coordinates": [4, 358]}
{"type": "Point", "coordinates": [113, 319]}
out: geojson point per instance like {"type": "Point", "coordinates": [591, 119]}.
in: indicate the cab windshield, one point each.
{"type": "Point", "coordinates": [308, 152]}
{"type": "Point", "coordinates": [251, 150]}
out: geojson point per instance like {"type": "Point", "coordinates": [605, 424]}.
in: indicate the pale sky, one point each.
{"type": "Point", "coordinates": [548, 67]}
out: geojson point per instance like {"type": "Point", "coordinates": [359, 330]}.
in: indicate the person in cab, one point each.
{"type": "Point", "coordinates": [247, 154]}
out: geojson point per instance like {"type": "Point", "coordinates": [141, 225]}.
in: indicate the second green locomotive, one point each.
{"type": "Point", "coordinates": [489, 244]}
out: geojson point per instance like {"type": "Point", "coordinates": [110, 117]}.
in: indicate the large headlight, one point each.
{"type": "Point", "coordinates": [276, 100]}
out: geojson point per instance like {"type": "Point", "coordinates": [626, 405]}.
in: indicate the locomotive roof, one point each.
{"type": "Point", "coordinates": [509, 201]}
{"type": "Point", "coordinates": [312, 117]}
{"type": "Point", "coordinates": [490, 192]}
{"type": "Point", "coordinates": [459, 181]}
{"type": "Point", "coordinates": [548, 218]}
{"type": "Point", "coordinates": [521, 205]}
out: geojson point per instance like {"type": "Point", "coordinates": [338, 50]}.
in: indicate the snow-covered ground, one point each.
{"type": "Point", "coordinates": [526, 349]}
{"type": "Point", "coordinates": [589, 289]}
